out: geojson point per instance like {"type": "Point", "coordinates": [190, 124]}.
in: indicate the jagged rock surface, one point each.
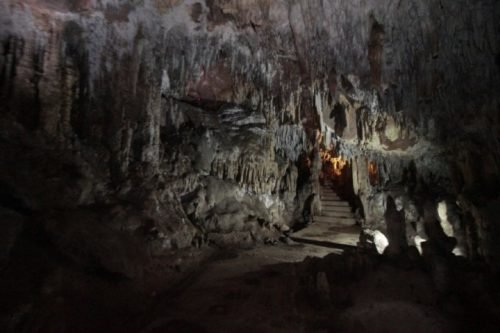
{"type": "Point", "coordinates": [207, 108]}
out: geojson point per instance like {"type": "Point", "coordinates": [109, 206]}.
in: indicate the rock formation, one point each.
{"type": "Point", "coordinates": [141, 128]}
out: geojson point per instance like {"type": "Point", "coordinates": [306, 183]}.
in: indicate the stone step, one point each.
{"type": "Point", "coordinates": [327, 191]}
{"type": "Point", "coordinates": [330, 194]}
{"type": "Point", "coordinates": [329, 197]}
{"type": "Point", "coordinates": [334, 213]}
{"type": "Point", "coordinates": [334, 204]}
{"type": "Point", "coordinates": [344, 221]}
{"type": "Point", "coordinates": [336, 209]}
{"type": "Point", "coordinates": [334, 227]}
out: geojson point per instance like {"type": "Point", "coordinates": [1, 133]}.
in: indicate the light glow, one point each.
{"type": "Point", "coordinates": [338, 163]}
{"type": "Point", "coordinates": [373, 173]}
{"type": "Point", "coordinates": [442, 211]}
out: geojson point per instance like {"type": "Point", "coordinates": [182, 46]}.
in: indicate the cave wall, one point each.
{"type": "Point", "coordinates": [194, 116]}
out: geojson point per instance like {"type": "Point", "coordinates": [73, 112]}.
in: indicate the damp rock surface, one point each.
{"type": "Point", "coordinates": [107, 101]}
{"type": "Point", "coordinates": [136, 137]}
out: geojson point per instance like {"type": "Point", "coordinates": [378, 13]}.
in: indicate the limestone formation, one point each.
{"type": "Point", "coordinates": [135, 131]}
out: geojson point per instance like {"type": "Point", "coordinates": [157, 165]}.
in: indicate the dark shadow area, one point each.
{"type": "Point", "coordinates": [338, 114]}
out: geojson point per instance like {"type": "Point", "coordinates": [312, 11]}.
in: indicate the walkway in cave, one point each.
{"type": "Point", "coordinates": [237, 290]}
{"type": "Point", "coordinates": [335, 225]}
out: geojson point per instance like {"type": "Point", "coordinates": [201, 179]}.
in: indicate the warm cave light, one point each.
{"type": "Point", "coordinates": [337, 162]}
{"type": "Point", "coordinates": [372, 173]}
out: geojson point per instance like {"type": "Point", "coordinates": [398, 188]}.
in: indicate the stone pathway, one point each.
{"type": "Point", "coordinates": [334, 227]}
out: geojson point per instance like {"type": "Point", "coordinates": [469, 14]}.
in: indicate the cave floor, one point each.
{"type": "Point", "coordinates": [307, 288]}
{"type": "Point", "coordinates": [328, 235]}
{"type": "Point", "coordinates": [212, 290]}
{"type": "Point", "coordinates": [251, 290]}
{"type": "Point", "coordinates": [268, 288]}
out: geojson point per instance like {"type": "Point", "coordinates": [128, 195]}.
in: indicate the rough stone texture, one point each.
{"type": "Point", "coordinates": [12, 224]}
{"type": "Point", "coordinates": [209, 108]}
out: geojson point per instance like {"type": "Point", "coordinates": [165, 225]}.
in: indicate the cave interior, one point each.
{"type": "Point", "coordinates": [249, 166]}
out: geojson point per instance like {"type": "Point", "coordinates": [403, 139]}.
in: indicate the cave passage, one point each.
{"type": "Point", "coordinates": [249, 166]}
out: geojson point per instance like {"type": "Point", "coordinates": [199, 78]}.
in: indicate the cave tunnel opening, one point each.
{"type": "Point", "coordinates": [337, 172]}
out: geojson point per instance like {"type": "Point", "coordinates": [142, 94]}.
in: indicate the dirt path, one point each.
{"type": "Point", "coordinates": [249, 291]}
